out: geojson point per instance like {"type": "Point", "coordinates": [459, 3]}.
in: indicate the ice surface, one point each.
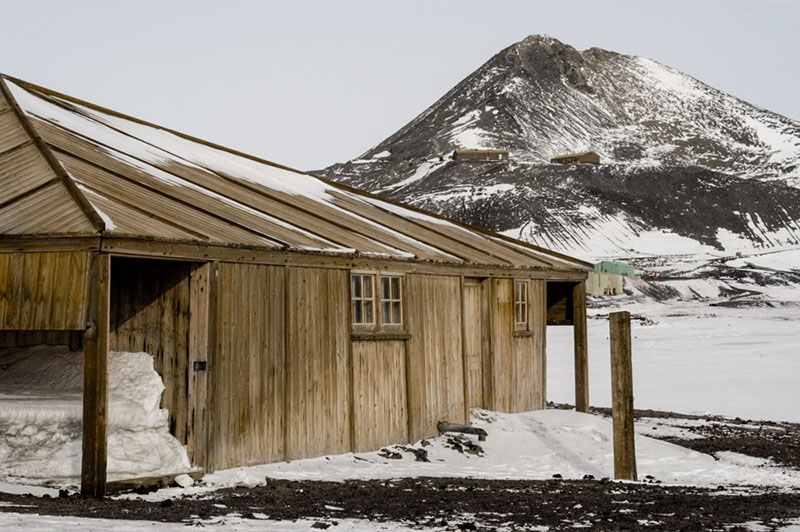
{"type": "Point", "coordinates": [696, 359]}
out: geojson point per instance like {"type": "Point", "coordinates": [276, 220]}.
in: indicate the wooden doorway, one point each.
{"type": "Point", "coordinates": [476, 324]}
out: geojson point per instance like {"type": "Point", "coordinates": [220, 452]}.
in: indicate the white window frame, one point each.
{"type": "Point", "coordinates": [522, 291]}
{"type": "Point", "coordinates": [392, 301]}
{"type": "Point", "coordinates": [362, 299]}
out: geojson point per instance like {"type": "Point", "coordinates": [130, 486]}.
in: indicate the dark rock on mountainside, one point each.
{"type": "Point", "coordinates": [678, 157]}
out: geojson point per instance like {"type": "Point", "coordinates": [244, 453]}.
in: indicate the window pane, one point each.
{"type": "Point", "coordinates": [368, 314]}
{"type": "Point", "coordinates": [385, 294]}
{"type": "Point", "coordinates": [368, 280]}
{"type": "Point", "coordinates": [386, 310]}
{"type": "Point", "coordinates": [357, 317]}
{"type": "Point", "coordinates": [396, 312]}
{"type": "Point", "coordinates": [356, 285]}
{"type": "Point", "coordinates": [395, 288]}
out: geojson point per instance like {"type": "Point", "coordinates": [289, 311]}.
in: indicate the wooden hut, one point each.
{"type": "Point", "coordinates": [588, 157]}
{"type": "Point", "coordinates": [288, 316]}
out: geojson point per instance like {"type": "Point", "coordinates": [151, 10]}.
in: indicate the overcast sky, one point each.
{"type": "Point", "coordinates": [310, 83]}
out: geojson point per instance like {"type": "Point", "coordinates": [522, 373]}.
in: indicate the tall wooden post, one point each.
{"type": "Point", "coordinates": [95, 378]}
{"type": "Point", "coordinates": [581, 347]}
{"type": "Point", "coordinates": [622, 396]}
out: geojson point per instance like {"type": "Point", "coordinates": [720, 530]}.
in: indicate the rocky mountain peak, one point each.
{"type": "Point", "coordinates": [678, 157]}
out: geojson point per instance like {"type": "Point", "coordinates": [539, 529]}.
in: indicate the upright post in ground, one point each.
{"type": "Point", "coordinates": [581, 347]}
{"type": "Point", "coordinates": [95, 378]}
{"type": "Point", "coordinates": [622, 396]}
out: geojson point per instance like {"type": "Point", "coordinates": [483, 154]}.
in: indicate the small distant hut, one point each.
{"type": "Point", "coordinates": [588, 157]}
{"type": "Point", "coordinates": [480, 155]}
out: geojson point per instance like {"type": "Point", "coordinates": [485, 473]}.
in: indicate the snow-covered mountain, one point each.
{"type": "Point", "coordinates": [685, 168]}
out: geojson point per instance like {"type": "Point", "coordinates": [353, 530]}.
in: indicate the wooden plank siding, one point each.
{"type": "Point", "coordinates": [43, 291]}
{"type": "Point", "coordinates": [317, 415]}
{"type": "Point", "coordinates": [379, 382]}
{"type": "Point", "coordinates": [246, 390]}
{"type": "Point", "coordinates": [434, 353]}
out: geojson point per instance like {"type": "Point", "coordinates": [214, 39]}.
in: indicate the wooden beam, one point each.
{"type": "Point", "coordinates": [95, 378]}
{"type": "Point", "coordinates": [622, 396]}
{"type": "Point", "coordinates": [196, 251]}
{"type": "Point", "coordinates": [581, 347]}
{"type": "Point", "coordinates": [196, 438]}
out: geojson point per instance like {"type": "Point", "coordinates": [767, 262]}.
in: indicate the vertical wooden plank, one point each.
{"type": "Point", "coordinates": [486, 342]}
{"type": "Point", "coordinates": [622, 396]}
{"type": "Point", "coordinates": [95, 379]}
{"type": "Point", "coordinates": [581, 347]}
{"type": "Point", "coordinates": [198, 365]}
{"type": "Point", "coordinates": [352, 367]}
{"type": "Point", "coordinates": [212, 418]}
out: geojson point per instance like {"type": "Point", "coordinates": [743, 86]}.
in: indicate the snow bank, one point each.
{"type": "Point", "coordinates": [41, 413]}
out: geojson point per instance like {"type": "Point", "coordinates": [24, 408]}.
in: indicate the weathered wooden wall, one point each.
{"type": "Point", "coordinates": [379, 384]}
{"type": "Point", "coordinates": [43, 291]}
{"type": "Point", "coordinates": [317, 366]}
{"type": "Point", "coordinates": [73, 339]}
{"type": "Point", "coordinates": [246, 376]}
{"type": "Point", "coordinates": [282, 378]}
{"type": "Point", "coordinates": [434, 353]}
{"type": "Point", "coordinates": [150, 313]}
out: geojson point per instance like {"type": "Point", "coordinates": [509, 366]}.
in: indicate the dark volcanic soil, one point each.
{"type": "Point", "coordinates": [458, 504]}
{"type": "Point", "coordinates": [476, 504]}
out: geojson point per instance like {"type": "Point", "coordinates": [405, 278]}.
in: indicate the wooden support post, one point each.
{"type": "Point", "coordinates": [581, 347]}
{"type": "Point", "coordinates": [622, 396]}
{"type": "Point", "coordinates": [95, 378]}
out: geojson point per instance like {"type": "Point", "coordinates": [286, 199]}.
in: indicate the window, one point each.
{"type": "Point", "coordinates": [377, 303]}
{"type": "Point", "coordinates": [391, 300]}
{"type": "Point", "coordinates": [363, 297]}
{"type": "Point", "coordinates": [521, 304]}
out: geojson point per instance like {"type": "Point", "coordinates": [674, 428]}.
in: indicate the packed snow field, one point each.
{"type": "Point", "coordinates": [695, 359]}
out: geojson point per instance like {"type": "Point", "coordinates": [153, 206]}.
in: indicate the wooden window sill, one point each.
{"type": "Point", "coordinates": [379, 335]}
{"type": "Point", "coordinates": [524, 333]}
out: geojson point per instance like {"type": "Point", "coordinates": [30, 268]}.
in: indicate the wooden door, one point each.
{"type": "Point", "coordinates": [473, 343]}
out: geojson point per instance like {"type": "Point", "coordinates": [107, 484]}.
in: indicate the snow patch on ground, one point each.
{"type": "Point", "coordinates": [532, 445]}
{"type": "Point", "coordinates": [41, 413]}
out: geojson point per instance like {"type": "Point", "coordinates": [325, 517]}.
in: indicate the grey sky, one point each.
{"type": "Point", "coordinates": [307, 83]}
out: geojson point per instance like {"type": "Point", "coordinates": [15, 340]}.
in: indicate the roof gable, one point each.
{"type": "Point", "coordinates": [36, 195]}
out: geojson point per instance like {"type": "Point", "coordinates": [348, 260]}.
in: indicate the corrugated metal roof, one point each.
{"type": "Point", "coordinates": [145, 181]}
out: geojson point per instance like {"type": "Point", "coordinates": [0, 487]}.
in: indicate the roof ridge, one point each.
{"type": "Point", "coordinates": [72, 188]}
{"type": "Point", "coordinates": [506, 240]}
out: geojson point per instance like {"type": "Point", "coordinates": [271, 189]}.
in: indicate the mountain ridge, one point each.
{"type": "Point", "coordinates": [678, 157]}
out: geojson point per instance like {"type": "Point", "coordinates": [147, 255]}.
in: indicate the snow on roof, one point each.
{"type": "Point", "coordinates": [146, 181]}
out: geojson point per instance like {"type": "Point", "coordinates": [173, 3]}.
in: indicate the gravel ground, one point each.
{"type": "Point", "coordinates": [477, 504]}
